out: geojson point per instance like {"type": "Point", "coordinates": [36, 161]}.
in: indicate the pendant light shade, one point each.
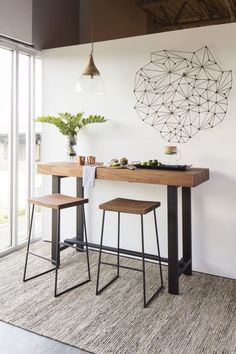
{"type": "Point", "coordinates": [90, 80]}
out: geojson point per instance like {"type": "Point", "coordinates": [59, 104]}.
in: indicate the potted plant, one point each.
{"type": "Point", "coordinates": [70, 125]}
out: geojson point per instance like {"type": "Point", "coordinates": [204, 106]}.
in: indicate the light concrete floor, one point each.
{"type": "Point", "coordinates": [16, 340]}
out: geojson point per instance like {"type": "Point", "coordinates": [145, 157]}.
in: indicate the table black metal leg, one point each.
{"type": "Point", "coordinates": [79, 212]}
{"type": "Point", "coordinates": [173, 266]}
{"type": "Point", "coordinates": [56, 188]}
{"type": "Point", "coordinates": [187, 232]}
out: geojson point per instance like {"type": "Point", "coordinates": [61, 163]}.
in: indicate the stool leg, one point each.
{"type": "Point", "coordinates": [33, 254]}
{"type": "Point", "coordinates": [58, 222]}
{"type": "Point", "coordinates": [98, 291]}
{"type": "Point", "coordinates": [146, 303]}
{"type": "Point", "coordinates": [100, 252]}
{"type": "Point", "coordinates": [28, 244]}
{"type": "Point", "coordinates": [86, 242]}
{"type": "Point", "coordinates": [56, 293]}
{"type": "Point", "coordinates": [158, 246]}
{"type": "Point", "coordinates": [118, 246]}
{"type": "Point", "coordinates": [143, 261]}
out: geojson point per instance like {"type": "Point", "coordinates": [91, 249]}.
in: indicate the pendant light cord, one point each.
{"type": "Point", "coordinates": [91, 25]}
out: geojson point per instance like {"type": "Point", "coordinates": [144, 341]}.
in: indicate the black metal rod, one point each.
{"type": "Point", "coordinates": [158, 245]}
{"type": "Point", "coordinates": [100, 253]}
{"type": "Point", "coordinates": [122, 266]}
{"type": "Point", "coordinates": [65, 245]}
{"type": "Point", "coordinates": [58, 214]}
{"type": "Point", "coordinates": [39, 256]}
{"type": "Point", "coordinates": [118, 246]}
{"type": "Point", "coordinates": [56, 188]}
{"type": "Point", "coordinates": [122, 251]}
{"type": "Point", "coordinates": [28, 244]}
{"type": "Point", "coordinates": [143, 261]}
{"type": "Point", "coordinates": [72, 288]}
{"type": "Point", "coordinates": [79, 211]}
{"type": "Point", "coordinates": [86, 242]}
{"type": "Point", "coordinates": [173, 276]}
{"type": "Point", "coordinates": [154, 295]}
{"type": "Point", "coordinates": [106, 286]}
{"type": "Point", "coordinates": [187, 229]}
{"type": "Point", "coordinates": [38, 275]}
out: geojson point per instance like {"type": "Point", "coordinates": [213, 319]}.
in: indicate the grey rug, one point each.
{"type": "Point", "coordinates": [202, 319]}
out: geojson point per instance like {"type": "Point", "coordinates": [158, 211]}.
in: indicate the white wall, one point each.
{"type": "Point", "coordinates": [214, 202]}
{"type": "Point", "coordinates": [16, 19]}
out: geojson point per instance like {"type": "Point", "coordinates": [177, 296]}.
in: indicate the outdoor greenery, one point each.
{"type": "Point", "coordinates": [4, 215]}
{"type": "Point", "coordinates": [70, 124]}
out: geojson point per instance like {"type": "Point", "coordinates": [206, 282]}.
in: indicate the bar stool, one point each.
{"type": "Point", "coordinates": [121, 205]}
{"type": "Point", "coordinates": [57, 202]}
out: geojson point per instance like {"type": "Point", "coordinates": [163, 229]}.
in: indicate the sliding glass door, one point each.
{"type": "Point", "coordinates": [5, 161]}
{"type": "Point", "coordinates": [20, 92]}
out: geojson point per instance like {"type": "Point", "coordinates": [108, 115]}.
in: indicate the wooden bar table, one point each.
{"type": "Point", "coordinates": [185, 180]}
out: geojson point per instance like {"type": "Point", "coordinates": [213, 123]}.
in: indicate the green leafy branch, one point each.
{"type": "Point", "coordinates": [70, 124]}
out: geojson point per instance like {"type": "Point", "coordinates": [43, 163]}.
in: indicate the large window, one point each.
{"type": "Point", "coordinates": [20, 92]}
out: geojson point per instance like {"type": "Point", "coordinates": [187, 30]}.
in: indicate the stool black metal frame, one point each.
{"type": "Point", "coordinates": [58, 249]}
{"type": "Point", "coordinates": [34, 254]}
{"type": "Point", "coordinates": [145, 301]}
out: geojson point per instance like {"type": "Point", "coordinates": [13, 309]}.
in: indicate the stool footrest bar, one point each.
{"type": "Point", "coordinates": [37, 255]}
{"type": "Point", "coordinates": [66, 245]}
{"type": "Point", "coordinates": [122, 266]}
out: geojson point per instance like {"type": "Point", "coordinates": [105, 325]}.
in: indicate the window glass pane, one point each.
{"type": "Point", "coordinates": [5, 119]}
{"type": "Point", "coordinates": [23, 117]}
{"type": "Point", "coordinates": [38, 130]}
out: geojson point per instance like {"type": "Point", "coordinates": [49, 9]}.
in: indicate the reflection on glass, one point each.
{"type": "Point", "coordinates": [5, 118]}
{"type": "Point", "coordinates": [23, 116]}
{"type": "Point", "coordinates": [37, 151]}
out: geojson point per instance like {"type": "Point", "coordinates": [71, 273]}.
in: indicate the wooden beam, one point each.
{"type": "Point", "coordinates": [165, 13]}
{"type": "Point", "coordinates": [146, 3]}
{"type": "Point", "coordinates": [179, 13]}
{"type": "Point", "coordinates": [230, 10]}
{"type": "Point", "coordinates": [172, 27]}
{"type": "Point", "coordinates": [202, 8]}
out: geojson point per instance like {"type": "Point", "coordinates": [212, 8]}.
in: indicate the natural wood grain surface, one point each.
{"type": "Point", "coordinates": [129, 206]}
{"type": "Point", "coordinates": [189, 178]}
{"type": "Point", "coordinates": [57, 201]}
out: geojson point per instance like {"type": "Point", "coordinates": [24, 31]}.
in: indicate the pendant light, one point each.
{"type": "Point", "coordinates": [90, 81]}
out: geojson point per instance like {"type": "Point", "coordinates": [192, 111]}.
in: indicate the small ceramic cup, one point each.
{"type": "Point", "coordinates": [80, 160]}
{"type": "Point", "coordinates": [91, 160]}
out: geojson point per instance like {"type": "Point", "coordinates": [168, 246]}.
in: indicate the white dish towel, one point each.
{"type": "Point", "coordinates": [89, 173]}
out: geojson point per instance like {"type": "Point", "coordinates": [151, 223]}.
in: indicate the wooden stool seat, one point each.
{"type": "Point", "coordinates": [130, 206]}
{"type": "Point", "coordinates": [57, 201]}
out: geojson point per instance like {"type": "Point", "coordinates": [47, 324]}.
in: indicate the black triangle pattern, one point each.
{"type": "Point", "coordinates": [180, 93]}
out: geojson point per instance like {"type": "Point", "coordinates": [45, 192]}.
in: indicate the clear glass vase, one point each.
{"type": "Point", "coordinates": [71, 147]}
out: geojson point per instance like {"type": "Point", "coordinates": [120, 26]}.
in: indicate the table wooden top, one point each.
{"type": "Point", "coordinates": [192, 177]}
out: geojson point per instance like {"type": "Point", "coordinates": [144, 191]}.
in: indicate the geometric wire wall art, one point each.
{"type": "Point", "coordinates": [180, 93]}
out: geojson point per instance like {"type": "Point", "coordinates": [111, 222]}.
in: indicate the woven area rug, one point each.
{"type": "Point", "coordinates": [202, 319]}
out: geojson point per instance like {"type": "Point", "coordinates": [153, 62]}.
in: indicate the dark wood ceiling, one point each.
{"type": "Point", "coordinates": [168, 15]}
{"type": "Point", "coordinates": [58, 23]}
